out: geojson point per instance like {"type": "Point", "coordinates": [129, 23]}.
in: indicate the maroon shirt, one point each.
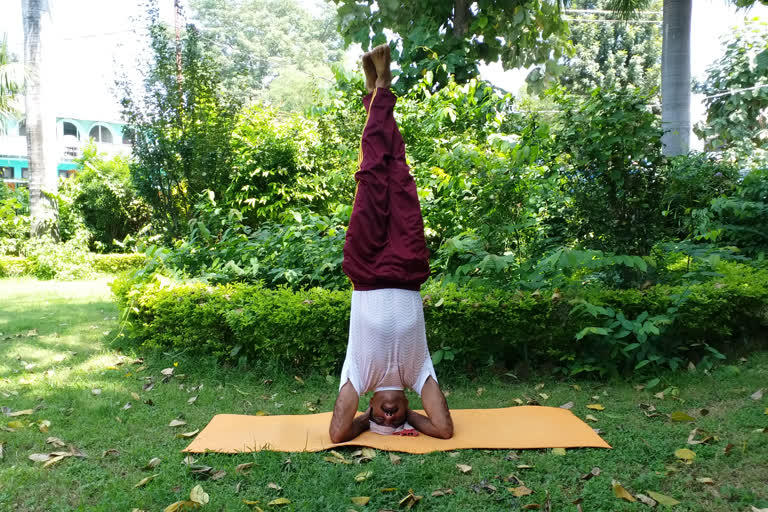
{"type": "Point", "coordinates": [385, 246]}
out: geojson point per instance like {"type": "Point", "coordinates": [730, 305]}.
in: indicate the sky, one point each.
{"type": "Point", "coordinates": [94, 38]}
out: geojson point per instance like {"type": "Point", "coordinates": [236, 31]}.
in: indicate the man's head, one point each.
{"type": "Point", "coordinates": [389, 408]}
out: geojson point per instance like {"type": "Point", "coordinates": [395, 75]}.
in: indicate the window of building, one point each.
{"type": "Point", "coordinates": [71, 129]}
{"type": "Point", "coordinates": [101, 134]}
{"type": "Point", "coordinates": [127, 139]}
{"type": "Point", "coordinates": [23, 128]}
{"type": "Point", "coordinates": [7, 173]}
{"type": "Point", "coordinates": [24, 173]}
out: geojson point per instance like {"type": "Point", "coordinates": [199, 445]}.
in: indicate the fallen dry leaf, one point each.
{"type": "Point", "coordinates": [685, 454]}
{"type": "Point", "coordinates": [596, 407]}
{"type": "Point", "coordinates": [177, 423]}
{"type": "Point", "coordinates": [39, 457]}
{"type": "Point", "coordinates": [558, 451]}
{"type": "Point", "coordinates": [464, 468]}
{"type": "Point", "coordinates": [43, 426]}
{"type": "Point", "coordinates": [681, 416]}
{"type": "Point", "coordinates": [539, 386]}
{"type": "Point", "coordinates": [112, 451]}
{"type": "Point", "coordinates": [620, 492]}
{"type": "Point", "coordinates": [531, 506]}
{"type": "Point", "coordinates": [395, 459]}
{"type": "Point", "coordinates": [360, 500]}
{"type": "Point", "coordinates": [25, 412]}
{"type": "Point", "coordinates": [568, 405]}
{"type": "Point", "coordinates": [2, 446]}
{"type": "Point", "coordinates": [273, 485]}
{"type": "Point", "coordinates": [590, 417]}
{"type": "Point", "coordinates": [645, 500]}
{"type": "Point", "coordinates": [480, 391]}
{"type": "Point", "coordinates": [127, 406]}
{"type": "Point", "coordinates": [244, 469]}
{"type": "Point", "coordinates": [524, 466]}
{"type": "Point", "coordinates": [757, 395]}
{"type": "Point", "coordinates": [595, 472]}
{"type": "Point", "coordinates": [186, 435]}
{"type": "Point", "coordinates": [55, 442]}
{"type": "Point", "coordinates": [192, 400]}
{"type": "Point", "coordinates": [152, 464]}
{"type": "Point", "coordinates": [135, 396]}
{"type": "Point", "coordinates": [96, 391]}
{"type": "Point", "coordinates": [705, 480]}
{"type": "Point", "coordinates": [520, 491]}
{"type": "Point", "coordinates": [180, 505]}
{"type": "Point", "coordinates": [198, 495]}
{"type": "Point", "coordinates": [53, 460]}
{"type": "Point", "coordinates": [410, 500]}
{"type": "Point", "coordinates": [217, 475]}
{"type": "Point", "coordinates": [518, 401]}
{"type": "Point", "coordinates": [167, 372]}
{"type": "Point", "coordinates": [15, 424]}
{"type": "Point", "coordinates": [279, 501]}
{"type": "Point", "coordinates": [544, 396]}
{"type": "Point", "coordinates": [148, 386]}
{"type": "Point", "coordinates": [362, 477]}
{"type": "Point", "coordinates": [145, 481]}
{"type": "Point", "coordinates": [441, 492]}
{"type": "Point", "coordinates": [728, 448]}
{"type": "Point", "coordinates": [663, 499]}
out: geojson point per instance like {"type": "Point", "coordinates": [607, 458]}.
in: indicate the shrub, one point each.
{"type": "Point", "coordinates": [308, 328]}
{"type": "Point", "coordinates": [14, 219]}
{"type": "Point", "coordinates": [119, 262]}
{"type": "Point", "coordinates": [13, 266]}
{"type": "Point", "coordinates": [48, 259]}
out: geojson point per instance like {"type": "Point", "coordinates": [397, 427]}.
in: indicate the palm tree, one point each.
{"type": "Point", "coordinates": [675, 67]}
{"type": "Point", "coordinates": [9, 86]}
{"type": "Point", "coordinates": [41, 120]}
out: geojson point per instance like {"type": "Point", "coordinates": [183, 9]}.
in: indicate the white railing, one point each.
{"type": "Point", "coordinates": [69, 148]}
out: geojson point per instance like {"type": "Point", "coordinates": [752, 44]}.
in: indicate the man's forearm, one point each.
{"type": "Point", "coordinates": [424, 425]}
{"type": "Point", "coordinates": [358, 425]}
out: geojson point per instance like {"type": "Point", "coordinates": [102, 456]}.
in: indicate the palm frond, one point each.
{"type": "Point", "coordinates": [628, 9]}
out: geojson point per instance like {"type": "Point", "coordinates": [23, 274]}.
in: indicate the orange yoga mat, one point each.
{"type": "Point", "coordinates": [508, 428]}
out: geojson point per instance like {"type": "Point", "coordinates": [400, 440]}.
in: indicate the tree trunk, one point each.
{"type": "Point", "coordinates": [460, 18]}
{"type": "Point", "coordinates": [676, 77]}
{"type": "Point", "coordinates": [40, 117]}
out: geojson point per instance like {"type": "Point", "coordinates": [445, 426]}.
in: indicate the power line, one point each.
{"type": "Point", "coordinates": [598, 11]}
{"type": "Point", "coordinates": [726, 93]}
{"type": "Point", "coordinates": [629, 22]}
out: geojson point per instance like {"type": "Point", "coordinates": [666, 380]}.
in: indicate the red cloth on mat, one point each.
{"type": "Point", "coordinates": [384, 246]}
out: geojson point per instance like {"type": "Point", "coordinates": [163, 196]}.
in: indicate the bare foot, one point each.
{"type": "Point", "coordinates": [381, 60]}
{"type": "Point", "coordinates": [370, 72]}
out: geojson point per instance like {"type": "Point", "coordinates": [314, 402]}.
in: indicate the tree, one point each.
{"type": "Point", "coordinates": [40, 117]}
{"type": "Point", "coordinates": [181, 131]}
{"type": "Point", "coordinates": [9, 85]}
{"type": "Point", "coordinates": [259, 40]}
{"type": "Point", "coordinates": [732, 118]}
{"type": "Point", "coordinates": [612, 55]}
{"type": "Point", "coordinates": [675, 67]}
{"type": "Point", "coordinates": [451, 38]}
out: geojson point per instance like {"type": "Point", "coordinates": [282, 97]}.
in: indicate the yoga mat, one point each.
{"type": "Point", "coordinates": [508, 428]}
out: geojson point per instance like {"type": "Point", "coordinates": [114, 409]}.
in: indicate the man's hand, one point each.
{"type": "Point", "coordinates": [344, 424]}
{"type": "Point", "coordinates": [438, 422]}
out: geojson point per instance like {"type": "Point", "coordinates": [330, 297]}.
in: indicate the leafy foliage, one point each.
{"type": "Point", "coordinates": [664, 326]}
{"type": "Point", "coordinates": [612, 143]}
{"type": "Point", "coordinates": [450, 38]}
{"type": "Point", "coordinates": [14, 219]}
{"type": "Point", "coordinates": [612, 55]}
{"type": "Point", "coordinates": [102, 196]}
{"type": "Point", "coordinates": [265, 43]}
{"type": "Point", "coordinates": [181, 130]}
{"type": "Point", "coordinates": [732, 113]}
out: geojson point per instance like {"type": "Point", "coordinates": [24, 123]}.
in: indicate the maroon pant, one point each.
{"type": "Point", "coordinates": [384, 246]}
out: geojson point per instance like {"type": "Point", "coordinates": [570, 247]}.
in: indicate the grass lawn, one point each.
{"type": "Point", "coordinates": [59, 359]}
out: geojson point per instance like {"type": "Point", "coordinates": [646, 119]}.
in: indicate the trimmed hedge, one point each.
{"type": "Point", "coordinates": [309, 328]}
{"type": "Point", "coordinates": [14, 266]}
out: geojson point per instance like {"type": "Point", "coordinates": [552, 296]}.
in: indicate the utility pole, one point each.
{"type": "Point", "coordinates": [177, 23]}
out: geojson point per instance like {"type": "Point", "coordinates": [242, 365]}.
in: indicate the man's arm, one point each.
{"type": "Point", "coordinates": [344, 424]}
{"type": "Point", "coordinates": [438, 422]}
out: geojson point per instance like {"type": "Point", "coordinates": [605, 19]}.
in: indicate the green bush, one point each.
{"type": "Point", "coordinates": [118, 262]}
{"type": "Point", "coordinates": [13, 266]}
{"type": "Point", "coordinates": [14, 219]}
{"type": "Point", "coordinates": [308, 329]}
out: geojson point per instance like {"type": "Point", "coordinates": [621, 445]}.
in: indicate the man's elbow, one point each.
{"type": "Point", "coordinates": [337, 436]}
{"type": "Point", "coordinates": [445, 432]}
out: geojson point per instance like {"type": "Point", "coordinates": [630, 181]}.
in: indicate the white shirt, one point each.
{"type": "Point", "coordinates": [387, 346]}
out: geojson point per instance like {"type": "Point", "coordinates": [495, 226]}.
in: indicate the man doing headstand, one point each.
{"type": "Point", "coordinates": [386, 258]}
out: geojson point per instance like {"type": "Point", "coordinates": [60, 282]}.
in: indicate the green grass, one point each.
{"type": "Point", "coordinates": [74, 351]}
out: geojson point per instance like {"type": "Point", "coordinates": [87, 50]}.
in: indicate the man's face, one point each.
{"type": "Point", "coordinates": [389, 408]}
